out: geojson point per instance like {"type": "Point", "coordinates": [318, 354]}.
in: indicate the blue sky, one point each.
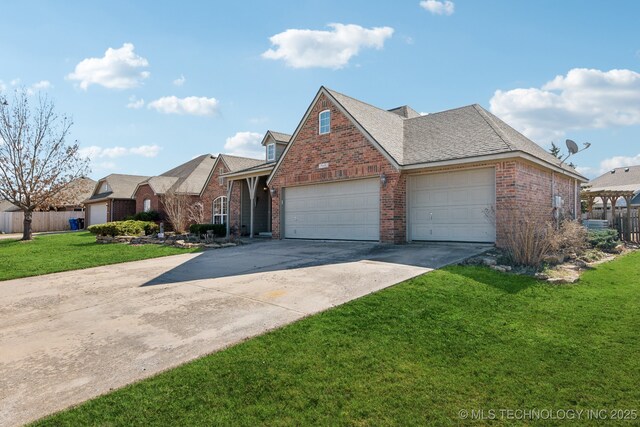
{"type": "Point", "coordinates": [186, 78]}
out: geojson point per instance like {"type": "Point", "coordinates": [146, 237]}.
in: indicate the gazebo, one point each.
{"type": "Point", "coordinates": [612, 186]}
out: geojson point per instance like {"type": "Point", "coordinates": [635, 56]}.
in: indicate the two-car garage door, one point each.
{"type": "Point", "coordinates": [449, 206]}
{"type": "Point", "coordinates": [347, 210]}
{"type": "Point", "coordinates": [452, 206]}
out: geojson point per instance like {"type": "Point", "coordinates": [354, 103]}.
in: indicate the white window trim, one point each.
{"type": "Point", "coordinates": [223, 210]}
{"type": "Point", "coordinates": [273, 157]}
{"type": "Point", "coordinates": [320, 123]}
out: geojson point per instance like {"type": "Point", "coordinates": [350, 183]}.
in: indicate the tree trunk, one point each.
{"type": "Point", "coordinates": [26, 231]}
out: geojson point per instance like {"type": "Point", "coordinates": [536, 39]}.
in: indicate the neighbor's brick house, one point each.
{"type": "Point", "coordinates": [431, 177]}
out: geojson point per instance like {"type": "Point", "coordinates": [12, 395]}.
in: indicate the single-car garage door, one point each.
{"type": "Point", "coordinates": [97, 214]}
{"type": "Point", "coordinates": [348, 210]}
{"type": "Point", "coordinates": [453, 206]}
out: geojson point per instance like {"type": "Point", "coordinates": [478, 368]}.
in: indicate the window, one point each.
{"type": "Point", "coordinates": [146, 205]}
{"type": "Point", "coordinates": [220, 210]}
{"type": "Point", "coordinates": [271, 152]}
{"type": "Point", "coordinates": [325, 122]}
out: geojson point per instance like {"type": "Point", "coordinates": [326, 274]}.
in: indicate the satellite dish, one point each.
{"type": "Point", "coordinates": [572, 146]}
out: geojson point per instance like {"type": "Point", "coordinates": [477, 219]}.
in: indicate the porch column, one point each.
{"type": "Point", "coordinates": [252, 182]}
{"type": "Point", "coordinates": [613, 210]}
{"type": "Point", "coordinates": [229, 189]}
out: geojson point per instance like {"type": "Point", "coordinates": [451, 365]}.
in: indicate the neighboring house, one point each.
{"type": "Point", "coordinates": [188, 179]}
{"type": "Point", "coordinates": [357, 172]}
{"type": "Point", "coordinates": [112, 198]}
{"type": "Point", "coordinates": [613, 189]}
{"type": "Point", "coordinates": [250, 199]}
{"type": "Point", "coordinates": [200, 179]}
{"type": "Point", "coordinates": [71, 199]}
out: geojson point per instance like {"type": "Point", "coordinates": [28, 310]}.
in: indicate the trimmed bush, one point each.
{"type": "Point", "coordinates": [219, 230]}
{"type": "Point", "coordinates": [124, 228]}
{"type": "Point", "coordinates": [145, 216]}
{"type": "Point", "coordinates": [605, 240]}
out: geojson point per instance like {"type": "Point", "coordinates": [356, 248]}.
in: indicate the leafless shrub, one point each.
{"type": "Point", "coordinates": [195, 213]}
{"type": "Point", "coordinates": [570, 238]}
{"type": "Point", "coordinates": [176, 208]}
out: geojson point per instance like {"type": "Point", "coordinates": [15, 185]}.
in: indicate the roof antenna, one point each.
{"type": "Point", "coordinates": [572, 147]}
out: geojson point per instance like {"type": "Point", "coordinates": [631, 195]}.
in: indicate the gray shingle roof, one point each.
{"type": "Point", "coordinates": [236, 163]}
{"type": "Point", "coordinates": [188, 178]}
{"type": "Point", "coordinates": [618, 181]}
{"type": "Point", "coordinates": [122, 186]}
{"type": "Point", "coordinates": [280, 137]}
{"type": "Point", "coordinates": [448, 135]}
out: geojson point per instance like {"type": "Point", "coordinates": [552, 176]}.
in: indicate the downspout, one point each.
{"type": "Point", "coordinates": [577, 206]}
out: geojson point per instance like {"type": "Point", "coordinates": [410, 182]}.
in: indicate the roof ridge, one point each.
{"type": "Point", "coordinates": [240, 157]}
{"type": "Point", "coordinates": [363, 102]}
{"type": "Point", "coordinates": [493, 126]}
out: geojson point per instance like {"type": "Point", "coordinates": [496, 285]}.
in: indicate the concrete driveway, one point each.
{"type": "Point", "coordinates": [68, 337]}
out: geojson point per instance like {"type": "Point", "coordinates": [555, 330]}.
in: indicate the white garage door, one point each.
{"type": "Point", "coordinates": [452, 206]}
{"type": "Point", "coordinates": [348, 210]}
{"type": "Point", "coordinates": [97, 214]}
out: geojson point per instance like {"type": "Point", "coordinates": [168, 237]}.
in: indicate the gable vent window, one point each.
{"type": "Point", "coordinates": [271, 152]}
{"type": "Point", "coordinates": [325, 122]}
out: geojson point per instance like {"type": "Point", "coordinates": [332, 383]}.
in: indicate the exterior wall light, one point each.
{"type": "Point", "coordinates": [274, 192]}
{"type": "Point", "coordinates": [383, 179]}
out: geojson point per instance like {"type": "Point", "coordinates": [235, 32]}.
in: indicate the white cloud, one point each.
{"type": "Point", "coordinates": [15, 82]}
{"type": "Point", "coordinates": [38, 86]}
{"type": "Point", "coordinates": [135, 103]}
{"type": "Point", "coordinates": [583, 99]}
{"type": "Point", "coordinates": [3, 86]}
{"type": "Point", "coordinates": [117, 69]}
{"type": "Point", "coordinates": [246, 144]}
{"type": "Point", "coordinates": [95, 152]}
{"type": "Point", "coordinates": [325, 49]}
{"type": "Point", "coordinates": [438, 7]}
{"type": "Point", "coordinates": [180, 80]}
{"type": "Point", "coordinates": [191, 105]}
{"type": "Point", "coordinates": [148, 151]}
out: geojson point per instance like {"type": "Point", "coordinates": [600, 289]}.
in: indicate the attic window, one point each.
{"type": "Point", "coordinates": [271, 152]}
{"type": "Point", "coordinates": [324, 122]}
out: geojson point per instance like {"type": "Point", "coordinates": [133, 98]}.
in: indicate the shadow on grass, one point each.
{"type": "Point", "coordinates": [505, 282]}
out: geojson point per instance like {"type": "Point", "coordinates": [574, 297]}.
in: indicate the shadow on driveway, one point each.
{"type": "Point", "coordinates": [275, 255]}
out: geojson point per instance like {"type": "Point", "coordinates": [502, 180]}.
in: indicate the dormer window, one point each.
{"type": "Point", "coordinates": [271, 152]}
{"type": "Point", "coordinates": [324, 122]}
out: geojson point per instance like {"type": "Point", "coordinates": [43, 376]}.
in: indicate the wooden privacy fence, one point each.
{"type": "Point", "coordinates": [12, 222]}
{"type": "Point", "coordinates": [628, 233]}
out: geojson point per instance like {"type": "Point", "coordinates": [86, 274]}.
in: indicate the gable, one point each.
{"type": "Point", "coordinates": [344, 152]}
{"type": "Point", "coordinates": [342, 124]}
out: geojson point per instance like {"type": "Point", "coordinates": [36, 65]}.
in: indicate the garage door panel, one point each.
{"type": "Point", "coordinates": [348, 210]}
{"type": "Point", "coordinates": [452, 206]}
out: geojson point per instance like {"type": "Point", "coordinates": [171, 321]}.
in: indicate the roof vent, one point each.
{"type": "Point", "coordinates": [613, 171]}
{"type": "Point", "coordinates": [626, 169]}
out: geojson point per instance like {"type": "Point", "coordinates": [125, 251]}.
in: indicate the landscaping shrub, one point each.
{"type": "Point", "coordinates": [124, 228]}
{"type": "Point", "coordinates": [605, 240]}
{"type": "Point", "coordinates": [219, 230]}
{"type": "Point", "coordinates": [570, 238]}
{"type": "Point", "coordinates": [145, 216]}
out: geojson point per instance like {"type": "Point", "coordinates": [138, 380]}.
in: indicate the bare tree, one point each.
{"type": "Point", "coordinates": [36, 163]}
{"type": "Point", "coordinates": [176, 208]}
{"type": "Point", "coordinates": [196, 213]}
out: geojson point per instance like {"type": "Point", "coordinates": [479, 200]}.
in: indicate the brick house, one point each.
{"type": "Point", "coordinates": [112, 198]}
{"type": "Point", "coordinates": [199, 179]}
{"type": "Point", "coordinates": [357, 172]}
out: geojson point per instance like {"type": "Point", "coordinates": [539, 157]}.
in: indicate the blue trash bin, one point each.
{"type": "Point", "coordinates": [73, 224]}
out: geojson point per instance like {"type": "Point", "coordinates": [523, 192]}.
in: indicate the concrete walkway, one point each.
{"type": "Point", "coordinates": [68, 337]}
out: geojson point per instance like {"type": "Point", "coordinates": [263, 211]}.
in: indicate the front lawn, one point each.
{"type": "Point", "coordinates": [462, 338]}
{"type": "Point", "coordinates": [69, 251]}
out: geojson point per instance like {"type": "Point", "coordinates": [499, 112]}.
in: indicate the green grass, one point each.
{"type": "Point", "coordinates": [414, 354]}
{"type": "Point", "coordinates": [70, 251]}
